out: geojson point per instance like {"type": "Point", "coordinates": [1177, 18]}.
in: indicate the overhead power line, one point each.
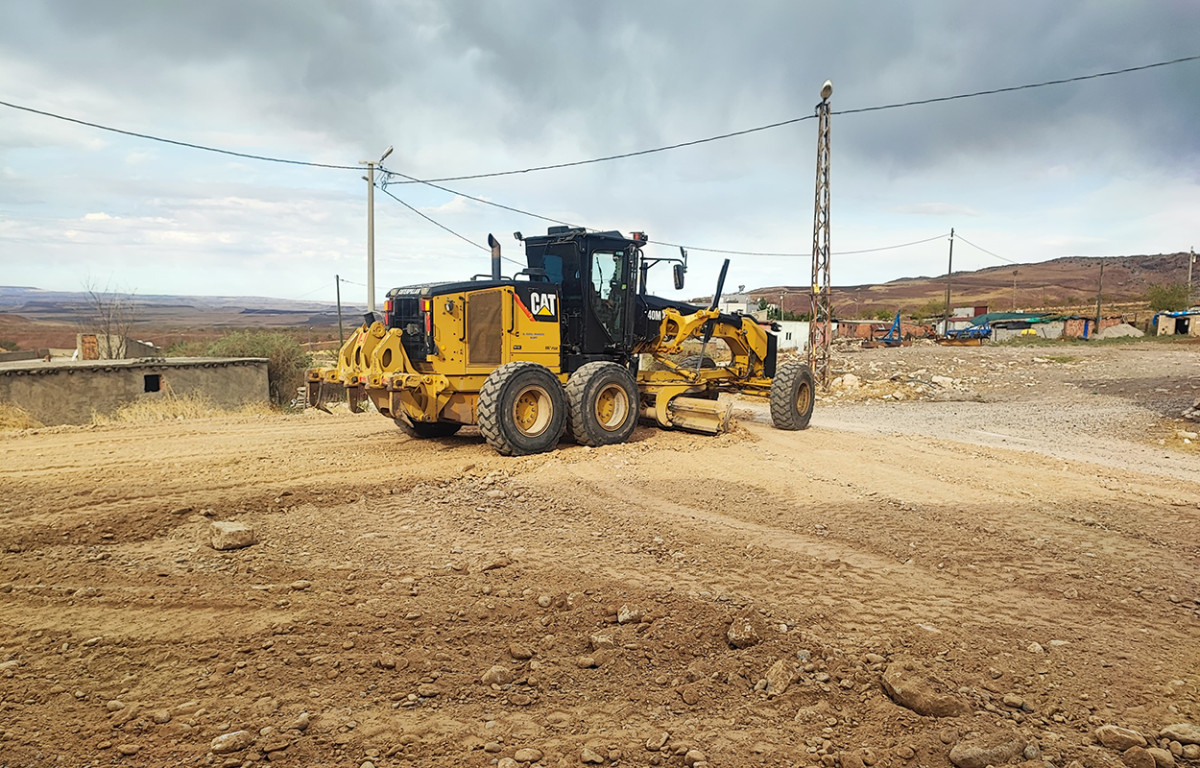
{"type": "Point", "coordinates": [804, 255]}
{"type": "Point", "coordinates": [176, 142]}
{"type": "Point", "coordinates": [959, 236]}
{"type": "Point", "coordinates": [435, 223]}
{"type": "Point", "coordinates": [621, 156]}
{"type": "Point", "coordinates": [781, 123]}
{"type": "Point", "coordinates": [387, 173]}
{"type": "Point", "coordinates": [1011, 88]}
{"type": "Point", "coordinates": [442, 226]}
{"type": "Point", "coordinates": [605, 158]}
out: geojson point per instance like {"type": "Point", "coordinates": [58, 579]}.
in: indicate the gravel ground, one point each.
{"type": "Point", "coordinates": [1116, 405]}
{"type": "Point", "coordinates": [885, 589]}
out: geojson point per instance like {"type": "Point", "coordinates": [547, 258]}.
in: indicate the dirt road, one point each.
{"type": "Point", "coordinates": [678, 600]}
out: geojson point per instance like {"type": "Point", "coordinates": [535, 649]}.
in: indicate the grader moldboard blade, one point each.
{"type": "Point", "coordinates": [699, 415]}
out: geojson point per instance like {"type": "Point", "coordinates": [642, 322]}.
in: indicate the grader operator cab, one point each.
{"type": "Point", "coordinates": [571, 344]}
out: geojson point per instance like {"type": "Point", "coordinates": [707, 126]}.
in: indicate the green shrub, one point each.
{"type": "Point", "coordinates": [1167, 298]}
{"type": "Point", "coordinates": [188, 349]}
{"type": "Point", "coordinates": [286, 359]}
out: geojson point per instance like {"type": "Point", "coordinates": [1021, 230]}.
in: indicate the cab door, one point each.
{"type": "Point", "coordinates": [608, 288]}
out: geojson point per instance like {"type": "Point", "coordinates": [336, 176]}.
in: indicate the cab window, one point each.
{"type": "Point", "coordinates": [608, 290]}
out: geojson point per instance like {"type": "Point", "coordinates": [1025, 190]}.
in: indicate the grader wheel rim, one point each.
{"type": "Point", "coordinates": [532, 410]}
{"type": "Point", "coordinates": [612, 407]}
{"type": "Point", "coordinates": [804, 396]}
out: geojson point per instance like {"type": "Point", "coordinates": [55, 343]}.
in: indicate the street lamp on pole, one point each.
{"type": "Point", "coordinates": [370, 179]}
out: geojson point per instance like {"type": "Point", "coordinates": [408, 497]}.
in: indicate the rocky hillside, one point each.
{"type": "Point", "coordinates": [1067, 283]}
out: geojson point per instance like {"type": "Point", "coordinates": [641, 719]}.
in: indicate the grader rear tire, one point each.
{"type": "Point", "coordinates": [522, 409]}
{"type": "Point", "coordinates": [792, 396]}
{"type": "Point", "coordinates": [422, 430]}
{"type": "Point", "coordinates": [603, 402]}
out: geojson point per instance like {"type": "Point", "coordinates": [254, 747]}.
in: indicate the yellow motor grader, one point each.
{"type": "Point", "coordinates": [572, 344]}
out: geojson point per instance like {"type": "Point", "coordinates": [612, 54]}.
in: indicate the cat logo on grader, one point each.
{"type": "Point", "coordinates": [543, 304]}
{"type": "Point", "coordinates": [573, 344]}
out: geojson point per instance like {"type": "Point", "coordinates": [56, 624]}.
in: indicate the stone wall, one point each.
{"type": "Point", "coordinates": [70, 392]}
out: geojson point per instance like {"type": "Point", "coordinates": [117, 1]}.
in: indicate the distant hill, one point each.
{"type": "Point", "coordinates": [35, 318]}
{"type": "Point", "coordinates": [1065, 284]}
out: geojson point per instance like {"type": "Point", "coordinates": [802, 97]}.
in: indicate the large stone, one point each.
{"type": "Point", "coordinates": [657, 741]}
{"type": "Point", "coordinates": [1184, 733]}
{"type": "Point", "coordinates": [850, 760]}
{"type": "Point", "coordinates": [910, 686]}
{"type": "Point", "coordinates": [1162, 758]}
{"type": "Point", "coordinates": [1118, 738]}
{"type": "Point", "coordinates": [234, 741]}
{"type": "Point", "coordinates": [1138, 757]}
{"type": "Point", "coordinates": [742, 633]}
{"type": "Point", "coordinates": [497, 676]}
{"type": "Point", "coordinates": [230, 535]}
{"type": "Point", "coordinates": [780, 676]}
{"type": "Point", "coordinates": [629, 614]}
{"type": "Point", "coordinates": [996, 748]}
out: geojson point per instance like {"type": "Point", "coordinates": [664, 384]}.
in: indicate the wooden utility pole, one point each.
{"type": "Point", "coordinates": [1099, 295]}
{"type": "Point", "coordinates": [949, 271]}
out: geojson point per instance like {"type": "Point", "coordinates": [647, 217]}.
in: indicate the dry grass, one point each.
{"type": "Point", "coordinates": [15, 417]}
{"type": "Point", "coordinates": [172, 407]}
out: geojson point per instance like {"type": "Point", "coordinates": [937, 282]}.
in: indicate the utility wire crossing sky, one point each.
{"type": "Point", "coordinates": [1100, 163]}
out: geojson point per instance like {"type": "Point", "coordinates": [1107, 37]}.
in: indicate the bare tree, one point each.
{"type": "Point", "coordinates": [111, 315]}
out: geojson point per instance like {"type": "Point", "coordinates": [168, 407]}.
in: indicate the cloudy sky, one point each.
{"type": "Point", "coordinates": [1109, 166]}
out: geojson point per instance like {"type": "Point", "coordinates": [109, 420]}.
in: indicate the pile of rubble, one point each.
{"type": "Point", "coordinates": [850, 387]}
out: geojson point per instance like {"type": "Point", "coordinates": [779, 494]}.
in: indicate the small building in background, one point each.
{"type": "Point", "coordinates": [739, 303]}
{"type": "Point", "coordinates": [99, 346]}
{"type": "Point", "coordinates": [1183, 323]}
{"type": "Point", "coordinates": [861, 329]}
{"type": "Point", "coordinates": [71, 391]}
{"type": "Point", "coordinates": [792, 335]}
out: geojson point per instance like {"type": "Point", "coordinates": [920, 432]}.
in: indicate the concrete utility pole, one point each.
{"type": "Point", "coordinates": [1191, 261]}
{"type": "Point", "coordinates": [337, 279]}
{"type": "Point", "coordinates": [949, 271]}
{"type": "Point", "coordinates": [370, 179]}
{"type": "Point", "coordinates": [820, 328]}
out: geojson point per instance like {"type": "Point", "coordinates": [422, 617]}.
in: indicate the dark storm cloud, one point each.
{"type": "Point", "coordinates": [462, 87]}
{"type": "Point", "coordinates": [617, 76]}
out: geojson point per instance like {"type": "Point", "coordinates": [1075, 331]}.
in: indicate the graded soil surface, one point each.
{"type": "Point", "coordinates": [903, 584]}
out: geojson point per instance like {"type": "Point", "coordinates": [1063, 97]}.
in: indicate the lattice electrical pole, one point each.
{"type": "Point", "coordinates": [820, 326]}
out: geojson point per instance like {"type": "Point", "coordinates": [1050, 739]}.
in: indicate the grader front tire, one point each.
{"type": "Point", "coordinates": [792, 396]}
{"type": "Point", "coordinates": [522, 409]}
{"type": "Point", "coordinates": [603, 402]}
